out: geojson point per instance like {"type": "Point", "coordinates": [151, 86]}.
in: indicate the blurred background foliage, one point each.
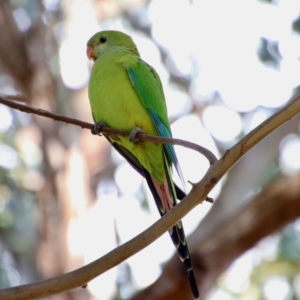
{"type": "Point", "coordinates": [66, 198]}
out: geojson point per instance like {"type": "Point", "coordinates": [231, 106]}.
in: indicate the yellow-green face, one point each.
{"type": "Point", "coordinates": [104, 41]}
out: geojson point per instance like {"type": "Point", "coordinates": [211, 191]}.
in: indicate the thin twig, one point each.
{"type": "Point", "coordinates": [15, 97]}
{"type": "Point", "coordinates": [106, 130]}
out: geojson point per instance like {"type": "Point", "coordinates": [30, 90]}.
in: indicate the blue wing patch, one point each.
{"type": "Point", "coordinates": [164, 132]}
{"type": "Point", "coordinates": [132, 76]}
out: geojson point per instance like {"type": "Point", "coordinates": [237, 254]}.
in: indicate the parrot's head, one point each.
{"type": "Point", "coordinates": [109, 41]}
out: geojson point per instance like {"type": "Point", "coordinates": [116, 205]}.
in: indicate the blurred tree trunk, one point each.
{"type": "Point", "coordinates": [23, 56]}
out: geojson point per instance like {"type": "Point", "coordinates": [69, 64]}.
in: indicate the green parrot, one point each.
{"type": "Point", "coordinates": [126, 93]}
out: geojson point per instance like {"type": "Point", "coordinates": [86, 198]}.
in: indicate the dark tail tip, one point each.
{"type": "Point", "coordinates": [193, 284]}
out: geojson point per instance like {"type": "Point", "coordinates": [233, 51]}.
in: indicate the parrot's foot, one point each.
{"type": "Point", "coordinates": [133, 135]}
{"type": "Point", "coordinates": [97, 128]}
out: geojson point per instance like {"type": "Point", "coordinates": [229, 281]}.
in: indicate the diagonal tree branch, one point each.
{"type": "Point", "coordinates": [197, 195]}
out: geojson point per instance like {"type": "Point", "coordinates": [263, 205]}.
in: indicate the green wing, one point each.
{"type": "Point", "coordinates": [149, 89]}
{"type": "Point", "coordinates": [148, 86]}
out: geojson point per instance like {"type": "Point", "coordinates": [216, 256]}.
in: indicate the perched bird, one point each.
{"type": "Point", "coordinates": [126, 93]}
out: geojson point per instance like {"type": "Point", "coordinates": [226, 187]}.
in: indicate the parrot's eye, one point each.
{"type": "Point", "coordinates": [103, 39]}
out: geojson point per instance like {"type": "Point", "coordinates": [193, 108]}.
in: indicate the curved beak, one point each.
{"type": "Point", "coordinates": [90, 52]}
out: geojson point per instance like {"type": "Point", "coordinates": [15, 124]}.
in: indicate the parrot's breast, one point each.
{"type": "Point", "coordinates": [114, 101]}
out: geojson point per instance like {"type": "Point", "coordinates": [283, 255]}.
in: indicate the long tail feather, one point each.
{"type": "Point", "coordinates": [165, 198]}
